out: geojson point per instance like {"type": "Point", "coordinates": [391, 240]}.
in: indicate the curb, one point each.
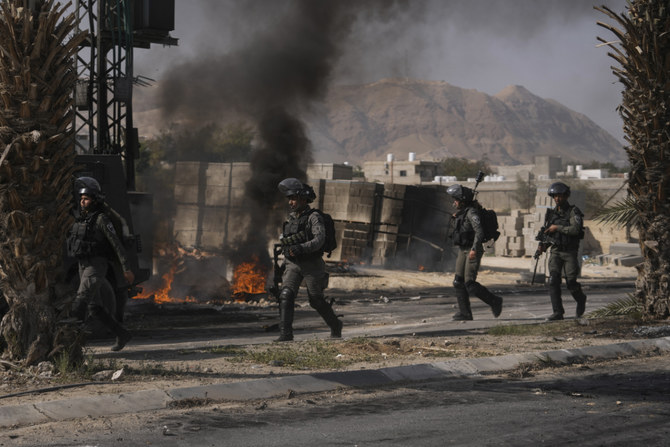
{"type": "Point", "coordinates": [148, 400]}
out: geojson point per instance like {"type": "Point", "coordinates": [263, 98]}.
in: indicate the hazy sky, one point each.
{"type": "Point", "coordinates": [547, 46]}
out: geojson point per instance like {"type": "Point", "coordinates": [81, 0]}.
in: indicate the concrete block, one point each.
{"type": "Point", "coordinates": [623, 248]}
{"type": "Point", "coordinates": [184, 193]}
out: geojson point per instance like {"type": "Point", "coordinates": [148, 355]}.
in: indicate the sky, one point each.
{"type": "Point", "coordinates": [547, 46]}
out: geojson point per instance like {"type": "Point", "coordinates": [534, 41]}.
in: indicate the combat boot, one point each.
{"type": "Point", "coordinates": [464, 313]}
{"type": "Point", "coordinates": [555, 316]}
{"type": "Point", "coordinates": [286, 310]}
{"type": "Point", "coordinates": [484, 294]}
{"type": "Point", "coordinates": [123, 336]}
{"type": "Point", "coordinates": [326, 311]}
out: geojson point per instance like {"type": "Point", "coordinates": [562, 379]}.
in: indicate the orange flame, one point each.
{"type": "Point", "coordinates": [162, 295]}
{"type": "Point", "coordinates": [421, 268]}
{"type": "Point", "coordinates": [249, 278]}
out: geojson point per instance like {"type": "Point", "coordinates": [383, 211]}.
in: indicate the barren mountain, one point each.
{"type": "Point", "coordinates": [435, 120]}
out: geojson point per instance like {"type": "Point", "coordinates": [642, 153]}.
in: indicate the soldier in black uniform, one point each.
{"type": "Point", "coordinates": [303, 238]}
{"type": "Point", "coordinates": [563, 229]}
{"type": "Point", "coordinates": [94, 243]}
{"type": "Point", "coordinates": [468, 237]}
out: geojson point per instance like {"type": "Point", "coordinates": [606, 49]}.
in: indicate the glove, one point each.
{"type": "Point", "coordinates": [294, 250]}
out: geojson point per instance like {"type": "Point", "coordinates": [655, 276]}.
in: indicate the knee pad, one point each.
{"type": "Point", "coordinates": [458, 282]}
{"type": "Point", "coordinates": [555, 280]}
{"type": "Point", "coordinates": [286, 295]}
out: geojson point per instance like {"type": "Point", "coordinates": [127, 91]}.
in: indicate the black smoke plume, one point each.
{"type": "Point", "coordinates": [271, 80]}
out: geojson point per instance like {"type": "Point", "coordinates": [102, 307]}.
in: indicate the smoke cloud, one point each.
{"type": "Point", "coordinates": [271, 78]}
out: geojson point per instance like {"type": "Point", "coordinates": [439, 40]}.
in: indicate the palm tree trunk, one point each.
{"type": "Point", "coordinates": [36, 166]}
{"type": "Point", "coordinates": [643, 52]}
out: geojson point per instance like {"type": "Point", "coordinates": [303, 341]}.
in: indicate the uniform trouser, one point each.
{"type": "Point", "coordinates": [88, 301]}
{"type": "Point", "coordinates": [561, 262]}
{"type": "Point", "coordinates": [313, 272]}
{"type": "Point", "coordinates": [465, 281]}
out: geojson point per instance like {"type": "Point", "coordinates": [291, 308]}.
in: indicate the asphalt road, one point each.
{"type": "Point", "coordinates": [617, 403]}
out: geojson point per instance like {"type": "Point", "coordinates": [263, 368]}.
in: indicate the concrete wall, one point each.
{"type": "Point", "coordinates": [402, 172]}
{"type": "Point", "coordinates": [328, 171]}
{"type": "Point", "coordinates": [380, 224]}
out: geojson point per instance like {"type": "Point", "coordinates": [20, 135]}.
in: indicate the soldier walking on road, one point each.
{"type": "Point", "coordinates": [563, 229]}
{"type": "Point", "coordinates": [468, 237]}
{"type": "Point", "coordinates": [94, 243]}
{"type": "Point", "coordinates": [303, 238]}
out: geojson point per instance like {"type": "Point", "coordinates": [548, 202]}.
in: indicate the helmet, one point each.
{"type": "Point", "coordinates": [559, 188]}
{"type": "Point", "coordinates": [90, 187]}
{"type": "Point", "coordinates": [294, 187]}
{"type": "Point", "coordinates": [461, 193]}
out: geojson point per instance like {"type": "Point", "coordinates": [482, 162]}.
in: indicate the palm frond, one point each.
{"type": "Point", "coordinates": [621, 214]}
{"type": "Point", "coordinates": [625, 306]}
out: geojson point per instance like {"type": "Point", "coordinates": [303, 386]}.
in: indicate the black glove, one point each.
{"type": "Point", "coordinates": [294, 250]}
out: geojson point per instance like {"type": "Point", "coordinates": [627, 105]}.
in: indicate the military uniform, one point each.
{"type": "Point", "coordinates": [306, 234]}
{"type": "Point", "coordinates": [563, 256]}
{"type": "Point", "coordinates": [468, 235]}
{"type": "Point", "coordinates": [94, 243]}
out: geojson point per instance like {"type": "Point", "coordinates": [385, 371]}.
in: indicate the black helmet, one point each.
{"type": "Point", "coordinates": [461, 193]}
{"type": "Point", "coordinates": [294, 187]}
{"type": "Point", "coordinates": [559, 188]}
{"type": "Point", "coordinates": [90, 187]}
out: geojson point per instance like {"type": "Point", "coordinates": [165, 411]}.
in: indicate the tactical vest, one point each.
{"type": "Point", "coordinates": [295, 230]}
{"type": "Point", "coordinates": [562, 241]}
{"type": "Point", "coordinates": [464, 234]}
{"type": "Point", "coordinates": [86, 240]}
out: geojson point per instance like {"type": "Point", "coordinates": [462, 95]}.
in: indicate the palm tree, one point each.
{"type": "Point", "coordinates": [36, 166]}
{"type": "Point", "coordinates": [642, 50]}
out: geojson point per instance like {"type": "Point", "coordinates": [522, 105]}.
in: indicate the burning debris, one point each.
{"type": "Point", "coordinates": [195, 276]}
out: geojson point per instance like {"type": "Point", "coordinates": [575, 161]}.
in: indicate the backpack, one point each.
{"type": "Point", "coordinates": [331, 243]}
{"type": "Point", "coordinates": [489, 224]}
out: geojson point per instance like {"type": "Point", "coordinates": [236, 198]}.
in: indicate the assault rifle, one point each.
{"type": "Point", "coordinates": [478, 180]}
{"type": "Point", "coordinates": [541, 248]}
{"type": "Point", "coordinates": [545, 241]}
{"type": "Point", "coordinates": [275, 289]}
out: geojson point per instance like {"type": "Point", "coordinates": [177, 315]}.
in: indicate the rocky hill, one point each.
{"type": "Point", "coordinates": [436, 120]}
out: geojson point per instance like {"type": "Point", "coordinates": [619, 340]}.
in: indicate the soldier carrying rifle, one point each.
{"type": "Point", "coordinates": [302, 241]}
{"type": "Point", "coordinates": [562, 231]}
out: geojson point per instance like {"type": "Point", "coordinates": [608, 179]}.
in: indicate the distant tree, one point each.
{"type": "Point", "coordinates": [525, 192]}
{"type": "Point", "coordinates": [210, 143]}
{"type": "Point", "coordinates": [462, 168]}
{"type": "Point", "coordinates": [358, 172]}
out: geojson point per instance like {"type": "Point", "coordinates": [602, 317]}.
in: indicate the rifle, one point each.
{"type": "Point", "coordinates": [545, 242]}
{"type": "Point", "coordinates": [540, 249]}
{"type": "Point", "coordinates": [478, 180]}
{"type": "Point", "coordinates": [275, 289]}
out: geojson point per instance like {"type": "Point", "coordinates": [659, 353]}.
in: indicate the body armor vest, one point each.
{"type": "Point", "coordinates": [295, 232]}
{"type": "Point", "coordinates": [559, 240]}
{"type": "Point", "coordinates": [86, 240]}
{"type": "Point", "coordinates": [464, 234]}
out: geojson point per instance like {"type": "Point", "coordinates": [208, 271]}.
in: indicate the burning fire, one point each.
{"type": "Point", "coordinates": [421, 268]}
{"type": "Point", "coordinates": [162, 295]}
{"type": "Point", "coordinates": [249, 278]}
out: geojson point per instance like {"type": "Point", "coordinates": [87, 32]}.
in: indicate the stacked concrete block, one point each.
{"type": "Point", "coordinates": [532, 223]}
{"type": "Point", "coordinates": [209, 204]}
{"type": "Point", "coordinates": [511, 240]}
{"type": "Point", "coordinates": [354, 245]}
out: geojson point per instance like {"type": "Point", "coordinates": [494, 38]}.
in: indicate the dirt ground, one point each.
{"type": "Point", "coordinates": [190, 367]}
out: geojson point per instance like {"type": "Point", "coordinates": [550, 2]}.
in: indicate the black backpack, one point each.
{"type": "Point", "coordinates": [331, 243]}
{"type": "Point", "coordinates": [489, 224]}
